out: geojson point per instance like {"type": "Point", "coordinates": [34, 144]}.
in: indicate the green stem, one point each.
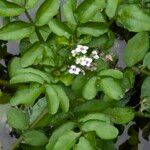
{"type": "Point", "coordinates": [142, 115]}
{"type": "Point", "coordinates": [18, 141]}
{"type": "Point", "coordinates": [5, 83]}
{"type": "Point", "coordinates": [142, 70]}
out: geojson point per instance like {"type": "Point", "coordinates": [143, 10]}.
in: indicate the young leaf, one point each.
{"type": "Point", "coordinates": [111, 7]}
{"type": "Point", "coordinates": [83, 144]}
{"type": "Point", "coordinates": [111, 88]}
{"type": "Point", "coordinates": [59, 28]}
{"type": "Point", "coordinates": [146, 61]}
{"type": "Point", "coordinates": [17, 119]}
{"type": "Point", "coordinates": [30, 3]}
{"type": "Point", "coordinates": [67, 140]}
{"type": "Point", "coordinates": [63, 98]}
{"type": "Point", "coordinates": [47, 11]}
{"type": "Point", "coordinates": [34, 71]}
{"type": "Point", "coordinates": [35, 138]}
{"type": "Point", "coordinates": [52, 99]}
{"type": "Point", "coordinates": [68, 9]}
{"type": "Point", "coordinates": [120, 115]}
{"type": "Point", "coordinates": [103, 130]}
{"type": "Point", "coordinates": [132, 17]}
{"type": "Point", "coordinates": [93, 29]}
{"type": "Point", "coordinates": [9, 9]}
{"type": "Point", "coordinates": [59, 132]}
{"type": "Point", "coordinates": [95, 116]}
{"type": "Point", "coordinates": [145, 89]}
{"type": "Point", "coordinates": [25, 78]}
{"type": "Point", "coordinates": [136, 48]}
{"type": "Point", "coordinates": [26, 95]}
{"type": "Point", "coordinates": [16, 30]}
{"type": "Point", "coordinates": [112, 73]}
{"type": "Point", "coordinates": [13, 66]}
{"type": "Point", "coordinates": [89, 90]}
{"type": "Point", "coordinates": [87, 9]}
{"type": "Point", "coordinates": [33, 54]}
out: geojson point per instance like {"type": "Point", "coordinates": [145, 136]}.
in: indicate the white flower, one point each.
{"type": "Point", "coordinates": [82, 49]}
{"type": "Point", "coordinates": [86, 61]}
{"type": "Point", "coordinates": [109, 57]}
{"type": "Point", "coordinates": [94, 54]}
{"type": "Point", "coordinates": [79, 60]}
{"type": "Point", "coordinates": [74, 70]}
{"type": "Point", "coordinates": [74, 53]}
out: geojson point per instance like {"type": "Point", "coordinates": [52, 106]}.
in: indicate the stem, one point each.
{"type": "Point", "coordinates": [142, 115]}
{"type": "Point", "coordinates": [5, 83]}
{"type": "Point", "coordinates": [142, 70]}
{"type": "Point", "coordinates": [18, 141]}
{"type": "Point", "coordinates": [28, 16]}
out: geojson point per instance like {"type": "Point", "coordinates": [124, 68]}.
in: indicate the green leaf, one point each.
{"type": "Point", "coordinates": [95, 116]}
{"type": "Point", "coordinates": [25, 78]}
{"type": "Point", "coordinates": [145, 89]}
{"type": "Point", "coordinates": [111, 7]}
{"type": "Point", "coordinates": [47, 11]}
{"type": "Point", "coordinates": [66, 141]}
{"type": "Point", "coordinates": [9, 9]}
{"type": "Point", "coordinates": [92, 106]}
{"type": "Point", "coordinates": [42, 74]}
{"type": "Point", "coordinates": [59, 132]}
{"type": "Point", "coordinates": [35, 138]}
{"type": "Point", "coordinates": [52, 99]}
{"type": "Point", "coordinates": [120, 115]}
{"type": "Point", "coordinates": [111, 73]}
{"type": "Point", "coordinates": [111, 88]}
{"type": "Point", "coordinates": [13, 66]}
{"type": "Point", "coordinates": [68, 9]}
{"type": "Point", "coordinates": [59, 28]}
{"type": "Point", "coordinates": [16, 30]}
{"type": "Point", "coordinates": [30, 3]}
{"type": "Point", "coordinates": [136, 48]}
{"type": "Point", "coordinates": [103, 130]}
{"type": "Point", "coordinates": [146, 61]}
{"type": "Point", "coordinates": [33, 55]}
{"type": "Point", "coordinates": [133, 18]}
{"type": "Point", "coordinates": [83, 144]}
{"type": "Point", "coordinates": [37, 109]}
{"type": "Point", "coordinates": [26, 95]}
{"type": "Point", "coordinates": [63, 98]}
{"type": "Point", "coordinates": [17, 119]}
{"type": "Point", "coordinates": [78, 84]}
{"type": "Point", "coordinates": [87, 9]}
{"type": "Point", "coordinates": [93, 29]}
{"type": "Point", "coordinates": [89, 90]}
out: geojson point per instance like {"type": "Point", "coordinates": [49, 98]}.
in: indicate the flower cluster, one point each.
{"type": "Point", "coordinates": [83, 60]}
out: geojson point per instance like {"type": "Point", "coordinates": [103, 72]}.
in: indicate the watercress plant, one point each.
{"type": "Point", "coordinates": [69, 92]}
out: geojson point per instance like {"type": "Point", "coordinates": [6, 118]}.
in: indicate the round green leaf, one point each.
{"type": "Point", "coordinates": [35, 138]}
{"type": "Point", "coordinates": [47, 11]}
{"type": "Point", "coordinates": [83, 144]}
{"type": "Point", "coordinates": [103, 130]}
{"type": "Point", "coordinates": [52, 99]}
{"type": "Point", "coordinates": [136, 48]}
{"type": "Point", "coordinates": [17, 119]}
{"type": "Point", "coordinates": [121, 115]}
{"type": "Point", "coordinates": [66, 141]}
{"type": "Point", "coordinates": [145, 89]}
{"type": "Point", "coordinates": [112, 73]}
{"type": "Point", "coordinates": [111, 88]}
{"type": "Point", "coordinates": [16, 30]}
{"type": "Point", "coordinates": [132, 17]}
{"type": "Point", "coordinates": [89, 90]}
{"type": "Point", "coordinates": [59, 132]}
